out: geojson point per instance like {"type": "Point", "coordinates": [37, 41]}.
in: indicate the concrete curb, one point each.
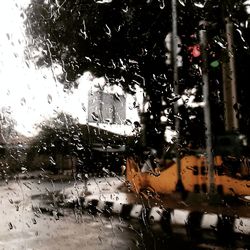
{"type": "Point", "coordinates": [193, 221]}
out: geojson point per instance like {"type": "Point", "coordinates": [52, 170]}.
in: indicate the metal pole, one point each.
{"type": "Point", "coordinates": [176, 88]}
{"type": "Point", "coordinates": [229, 81]}
{"type": "Point", "coordinates": [207, 118]}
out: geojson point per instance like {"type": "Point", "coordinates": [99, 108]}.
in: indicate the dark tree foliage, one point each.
{"type": "Point", "coordinates": [64, 134]}
{"type": "Point", "coordinates": [124, 41]}
{"type": "Point", "coordinates": [121, 39]}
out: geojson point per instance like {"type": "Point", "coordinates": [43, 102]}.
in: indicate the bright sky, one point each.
{"type": "Point", "coordinates": [32, 94]}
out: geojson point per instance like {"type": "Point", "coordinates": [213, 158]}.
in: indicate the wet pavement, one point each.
{"type": "Point", "coordinates": [23, 228]}
{"type": "Point", "coordinates": [25, 224]}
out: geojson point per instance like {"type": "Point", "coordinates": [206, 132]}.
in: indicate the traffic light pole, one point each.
{"type": "Point", "coordinates": [207, 118]}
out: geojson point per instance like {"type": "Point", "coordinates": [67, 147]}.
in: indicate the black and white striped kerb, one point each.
{"type": "Point", "coordinates": [193, 221]}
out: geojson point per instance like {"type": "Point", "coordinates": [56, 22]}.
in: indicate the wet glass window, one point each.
{"type": "Point", "coordinates": [124, 124]}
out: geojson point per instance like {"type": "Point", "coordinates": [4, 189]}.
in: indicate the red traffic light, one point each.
{"type": "Point", "coordinates": [195, 50]}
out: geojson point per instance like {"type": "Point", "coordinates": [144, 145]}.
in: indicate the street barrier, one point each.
{"type": "Point", "coordinates": [191, 220]}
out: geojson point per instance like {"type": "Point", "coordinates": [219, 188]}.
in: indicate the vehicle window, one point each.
{"type": "Point", "coordinates": [124, 124]}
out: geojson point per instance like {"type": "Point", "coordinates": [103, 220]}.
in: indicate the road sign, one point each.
{"type": "Point", "coordinates": [168, 42]}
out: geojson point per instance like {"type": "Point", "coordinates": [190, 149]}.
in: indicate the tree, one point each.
{"type": "Point", "coordinates": [124, 41]}
{"type": "Point", "coordinates": [58, 136]}
{"type": "Point", "coordinates": [7, 125]}
{"type": "Point", "coordinates": [62, 136]}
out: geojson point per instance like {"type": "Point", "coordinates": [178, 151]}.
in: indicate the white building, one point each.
{"type": "Point", "coordinates": [109, 107]}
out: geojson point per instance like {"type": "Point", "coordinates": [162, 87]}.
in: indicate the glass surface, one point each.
{"type": "Point", "coordinates": [124, 124]}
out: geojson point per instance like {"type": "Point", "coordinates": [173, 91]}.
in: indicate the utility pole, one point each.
{"type": "Point", "coordinates": [207, 116]}
{"type": "Point", "coordinates": [175, 39]}
{"type": "Point", "coordinates": [229, 81]}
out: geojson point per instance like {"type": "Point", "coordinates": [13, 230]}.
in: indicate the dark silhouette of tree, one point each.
{"type": "Point", "coordinates": [124, 41]}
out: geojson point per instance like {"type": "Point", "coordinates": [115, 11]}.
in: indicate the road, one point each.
{"type": "Point", "coordinates": [23, 228]}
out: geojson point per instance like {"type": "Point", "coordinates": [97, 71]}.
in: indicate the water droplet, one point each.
{"type": "Point", "coordinates": [79, 147]}
{"type": "Point", "coordinates": [23, 101]}
{"type": "Point", "coordinates": [128, 122]}
{"type": "Point", "coordinates": [23, 169]}
{"type": "Point", "coordinates": [182, 2]}
{"type": "Point", "coordinates": [117, 97]}
{"type": "Point", "coordinates": [162, 4]}
{"type": "Point", "coordinates": [83, 107]}
{"type": "Point", "coordinates": [52, 161]}
{"type": "Point", "coordinates": [10, 226]}
{"type": "Point", "coordinates": [200, 4]}
{"type": "Point", "coordinates": [49, 98]}
{"type": "Point", "coordinates": [107, 30]}
{"type": "Point", "coordinates": [94, 116]}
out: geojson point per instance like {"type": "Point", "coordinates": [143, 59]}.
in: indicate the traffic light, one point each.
{"type": "Point", "coordinates": [194, 50]}
{"type": "Point", "coordinates": [194, 53]}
